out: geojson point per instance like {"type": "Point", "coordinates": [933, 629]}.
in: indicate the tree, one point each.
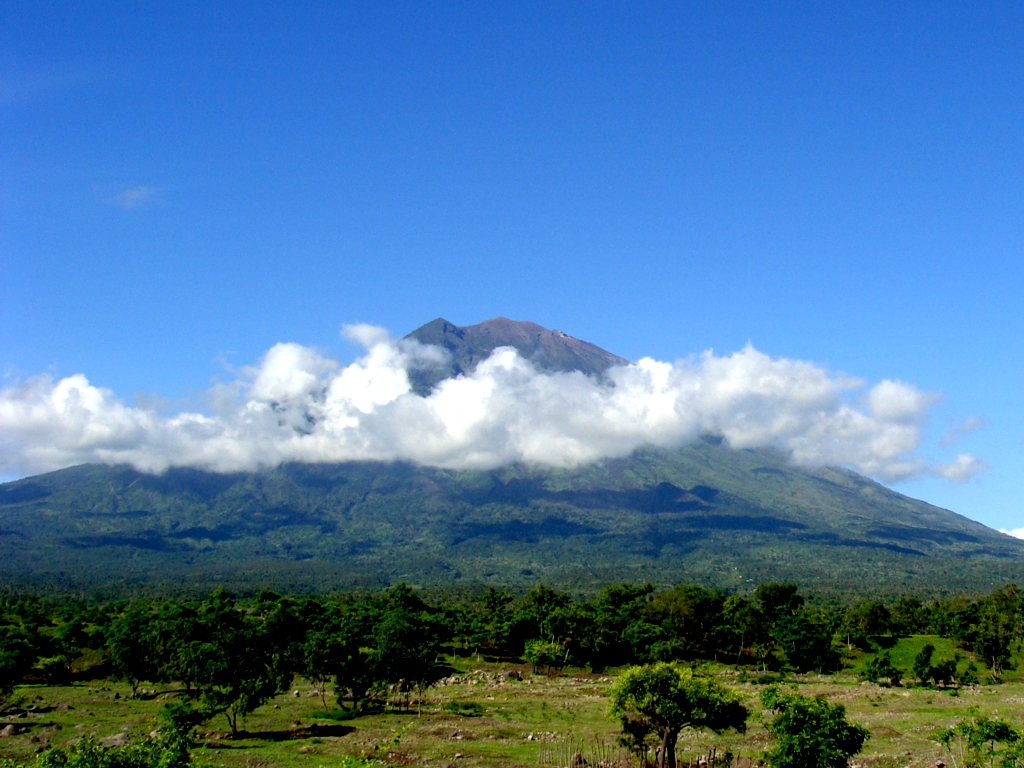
{"type": "Point", "coordinates": [993, 637]}
{"type": "Point", "coordinates": [809, 732]}
{"type": "Point", "coordinates": [807, 645]}
{"type": "Point", "coordinates": [923, 664]}
{"type": "Point", "coordinates": [16, 658]}
{"type": "Point", "coordinates": [661, 699]}
{"type": "Point", "coordinates": [355, 673]}
{"type": "Point", "coordinates": [542, 654]}
{"type": "Point", "coordinates": [980, 742]}
{"type": "Point", "coordinates": [404, 642]}
{"type": "Point", "coordinates": [692, 615]}
{"type": "Point", "coordinates": [744, 623]}
{"type": "Point", "coordinates": [130, 648]}
{"type": "Point", "coordinates": [777, 600]}
{"type": "Point", "coordinates": [909, 617]}
{"type": "Point", "coordinates": [234, 661]}
{"type": "Point", "coordinates": [881, 671]}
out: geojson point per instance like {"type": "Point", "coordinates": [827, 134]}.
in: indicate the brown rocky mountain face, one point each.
{"type": "Point", "coordinates": [469, 345]}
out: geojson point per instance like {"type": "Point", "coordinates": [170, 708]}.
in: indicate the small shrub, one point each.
{"type": "Point", "coordinates": [463, 708]}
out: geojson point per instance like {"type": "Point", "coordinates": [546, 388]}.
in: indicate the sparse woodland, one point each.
{"type": "Point", "coordinates": [218, 661]}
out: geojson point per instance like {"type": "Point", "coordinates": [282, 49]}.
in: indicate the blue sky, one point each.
{"type": "Point", "coordinates": [185, 185]}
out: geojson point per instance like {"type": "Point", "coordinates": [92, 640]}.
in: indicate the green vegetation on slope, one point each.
{"type": "Point", "coordinates": [705, 514]}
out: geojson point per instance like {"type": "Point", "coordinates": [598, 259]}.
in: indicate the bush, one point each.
{"type": "Point", "coordinates": [810, 733]}
{"type": "Point", "coordinates": [881, 671]}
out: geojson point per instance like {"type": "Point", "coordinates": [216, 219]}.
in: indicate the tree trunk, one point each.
{"type": "Point", "coordinates": [668, 749]}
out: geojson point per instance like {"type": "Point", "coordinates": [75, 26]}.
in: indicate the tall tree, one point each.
{"type": "Point", "coordinates": [235, 662]}
{"type": "Point", "coordinates": [664, 700]}
{"type": "Point", "coordinates": [131, 647]}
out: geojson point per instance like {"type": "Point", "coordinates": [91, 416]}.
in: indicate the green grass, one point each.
{"type": "Point", "coordinates": [563, 713]}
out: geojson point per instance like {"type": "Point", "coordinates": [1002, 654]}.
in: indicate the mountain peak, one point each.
{"type": "Point", "coordinates": [469, 345]}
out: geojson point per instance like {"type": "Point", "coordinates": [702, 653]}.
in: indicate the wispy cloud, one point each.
{"type": "Point", "coordinates": [297, 405]}
{"type": "Point", "coordinates": [134, 197]}
{"type": "Point", "coordinates": [964, 428]}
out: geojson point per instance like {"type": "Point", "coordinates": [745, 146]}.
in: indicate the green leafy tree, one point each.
{"type": "Point", "coordinates": [993, 637]}
{"type": "Point", "coordinates": [620, 632]}
{"type": "Point", "coordinates": [662, 700]}
{"type": "Point", "coordinates": [405, 642]}
{"type": "Point", "coordinates": [744, 624]}
{"type": "Point", "coordinates": [909, 617]}
{"type": "Point", "coordinates": [69, 639]}
{"type": "Point", "coordinates": [777, 600]}
{"type": "Point", "coordinates": [981, 742]}
{"type": "Point", "coordinates": [130, 648]}
{"type": "Point", "coordinates": [945, 673]}
{"type": "Point", "coordinates": [17, 655]}
{"type": "Point", "coordinates": [691, 615]}
{"type": "Point", "coordinates": [923, 664]}
{"type": "Point", "coordinates": [356, 675]}
{"type": "Point", "coordinates": [809, 732]}
{"type": "Point", "coordinates": [532, 616]}
{"type": "Point", "coordinates": [497, 617]}
{"type": "Point", "coordinates": [806, 644]}
{"type": "Point", "coordinates": [235, 662]}
{"type": "Point", "coordinates": [881, 671]}
{"type": "Point", "coordinates": [543, 654]}
{"type": "Point", "coordinates": [177, 636]}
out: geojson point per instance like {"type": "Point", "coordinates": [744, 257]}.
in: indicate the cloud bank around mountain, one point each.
{"type": "Point", "coordinates": [298, 405]}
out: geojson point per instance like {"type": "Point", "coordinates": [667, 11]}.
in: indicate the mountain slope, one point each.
{"type": "Point", "coordinates": [705, 513]}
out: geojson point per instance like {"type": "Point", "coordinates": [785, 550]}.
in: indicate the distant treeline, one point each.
{"type": "Point", "coordinates": [230, 656]}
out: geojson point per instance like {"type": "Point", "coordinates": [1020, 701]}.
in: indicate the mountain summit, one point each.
{"type": "Point", "coordinates": [469, 345]}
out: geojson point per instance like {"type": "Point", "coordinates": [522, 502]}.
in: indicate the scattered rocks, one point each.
{"type": "Point", "coordinates": [63, 707]}
{"type": "Point", "coordinates": [8, 731]}
{"type": "Point", "coordinates": [117, 740]}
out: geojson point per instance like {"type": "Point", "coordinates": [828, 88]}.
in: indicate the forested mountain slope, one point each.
{"type": "Point", "coordinates": [706, 514]}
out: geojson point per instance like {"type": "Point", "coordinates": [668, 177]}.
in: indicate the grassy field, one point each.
{"type": "Point", "coordinates": [476, 718]}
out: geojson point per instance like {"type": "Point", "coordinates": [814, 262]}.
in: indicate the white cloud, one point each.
{"type": "Point", "coordinates": [297, 405]}
{"type": "Point", "coordinates": [1017, 533]}
{"type": "Point", "coordinates": [134, 197]}
{"type": "Point", "coordinates": [968, 425]}
{"type": "Point", "coordinates": [962, 468]}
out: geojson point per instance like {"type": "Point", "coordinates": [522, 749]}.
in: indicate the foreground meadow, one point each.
{"type": "Point", "coordinates": [482, 715]}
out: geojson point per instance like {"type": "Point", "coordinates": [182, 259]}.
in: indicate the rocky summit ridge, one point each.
{"type": "Point", "coordinates": [550, 350]}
